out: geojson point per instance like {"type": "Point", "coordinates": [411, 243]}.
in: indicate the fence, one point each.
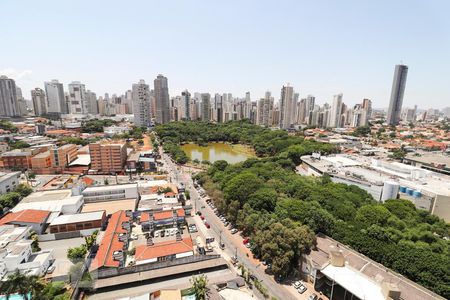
{"type": "Point", "coordinates": [99, 274]}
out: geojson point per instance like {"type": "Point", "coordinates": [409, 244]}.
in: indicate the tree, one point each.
{"type": "Point", "coordinates": [372, 214]}
{"type": "Point", "coordinates": [76, 254]}
{"type": "Point", "coordinates": [16, 283]}
{"type": "Point", "coordinates": [35, 244]}
{"type": "Point", "coordinates": [23, 189]}
{"type": "Point", "coordinates": [241, 186]}
{"type": "Point", "coordinates": [362, 131]}
{"type": "Point", "coordinates": [199, 285]}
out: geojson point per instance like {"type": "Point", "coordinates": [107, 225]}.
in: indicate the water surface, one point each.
{"type": "Point", "coordinates": [218, 151]}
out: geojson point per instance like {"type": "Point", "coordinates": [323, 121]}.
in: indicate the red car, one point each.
{"type": "Point", "coordinates": [207, 225]}
{"type": "Point", "coordinates": [202, 217]}
{"type": "Point", "coordinates": [246, 241]}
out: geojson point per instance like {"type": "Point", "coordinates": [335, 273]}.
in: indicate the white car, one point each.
{"type": "Point", "coordinates": [234, 230]}
{"type": "Point", "coordinates": [51, 269]}
{"type": "Point", "coordinates": [302, 289]}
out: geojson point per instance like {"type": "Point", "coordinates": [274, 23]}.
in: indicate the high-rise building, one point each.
{"type": "Point", "coordinates": [77, 98]}
{"type": "Point", "coordinates": [141, 103]}
{"type": "Point", "coordinates": [162, 99]}
{"type": "Point", "coordinates": [398, 90]}
{"type": "Point", "coordinates": [264, 110]}
{"type": "Point", "coordinates": [9, 106]}
{"type": "Point", "coordinates": [336, 111]}
{"type": "Point", "coordinates": [56, 101]}
{"type": "Point", "coordinates": [186, 105]}
{"type": "Point", "coordinates": [206, 107]}
{"type": "Point", "coordinates": [287, 107]}
{"type": "Point", "coordinates": [39, 102]}
{"type": "Point", "coordinates": [92, 103]}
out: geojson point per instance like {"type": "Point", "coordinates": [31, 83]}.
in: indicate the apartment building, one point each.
{"type": "Point", "coordinates": [55, 160]}
{"type": "Point", "coordinates": [18, 159]}
{"type": "Point", "coordinates": [107, 158]}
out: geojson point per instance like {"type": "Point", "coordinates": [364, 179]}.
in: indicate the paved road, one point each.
{"type": "Point", "coordinates": [233, 243]}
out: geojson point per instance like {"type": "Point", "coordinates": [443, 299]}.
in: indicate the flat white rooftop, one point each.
{"type": "Point", "coordinates": [78, 218]}
{"type": "Point", "coordinates": [354, 282]}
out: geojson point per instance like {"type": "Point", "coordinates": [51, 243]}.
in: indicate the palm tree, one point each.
{"type": "Point", "coordinates": [15, 283]}
{"type": "Point", "coordinates": [23, 285]}
{"type": "Point", "coordinates": [199, 284]}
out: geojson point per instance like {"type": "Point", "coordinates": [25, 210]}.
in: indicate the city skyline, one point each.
{"type": "Point", "coordinates": [319, 57]}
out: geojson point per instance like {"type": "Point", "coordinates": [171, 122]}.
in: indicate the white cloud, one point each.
{"type": "Point", "coordinates": [16, 74]}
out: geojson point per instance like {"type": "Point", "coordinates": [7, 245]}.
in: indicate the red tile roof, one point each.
{"type": "Point", "coordinates": [144, 252]}
{"type": "Point", "coordinates": [167, 214]}
{"type": "Point", "coordinates": [110, 242]}
{"type": "Point", "coordinates": [26, 216]}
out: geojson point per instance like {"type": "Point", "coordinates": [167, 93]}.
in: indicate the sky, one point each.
{"type": "Point", "coordinates": [319, 47]}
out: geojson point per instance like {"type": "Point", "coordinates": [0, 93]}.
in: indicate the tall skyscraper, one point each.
{"type": "Point", "coordinates": [397, 92]}
{"type": "Point", "coordinates": [186, 105]}
{"type": "Point", "coordinates": [9, 106]}
{"type": "Point", "coordinates": [287, 108]}
{"type": "Point", "coordinates": [56, 101]}
{"type": "Point", "coordinates": [264, 110]}
{"type": "Point", "coordinates": [77, 98]}
{"type": "Point", "coordinates": [206, 107]}
{"type": "Point", "coordinates": [92, 104]}
{"type": "Point", "coordinates": [335, 113]}
{"type": "Point", "coordinates": [39, 102]}
{"type": "Point", "coordinates": [141, 103]}
{"type": "Point", "coordinates": [162, 100]}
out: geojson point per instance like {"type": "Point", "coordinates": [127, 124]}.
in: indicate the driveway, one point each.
{"type": "Point", "coordinates": [60, 248]}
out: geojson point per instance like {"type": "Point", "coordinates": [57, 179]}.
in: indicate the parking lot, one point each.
{"type": "Point", "coordinates": [62, 263]}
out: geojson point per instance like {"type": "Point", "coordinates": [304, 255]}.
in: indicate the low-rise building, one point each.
{"type": "Point", "coordinates": [160, 219]}
{"type": "Point", "coordinates": [342, 273]}
{"type": "Point", "coordinates": [16, 252]}
{"type": "Point", "coordinates": [164, 251]}
{"type": "Point", "coordinates": [36, 219]}
{"type": "Point", "coordinates": [110, 192]}
{"type": "Point", "coordinates": [111, 251]}
{"type": "Point", "coordinates": [8, 181]}
{"type": "Point", "coordinates": [78, 222]}
{"type": "Point", "coordinates": [56, 201]}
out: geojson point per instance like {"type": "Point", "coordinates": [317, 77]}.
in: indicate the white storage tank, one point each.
{"type": "Point", "coordinates": [390, 190]}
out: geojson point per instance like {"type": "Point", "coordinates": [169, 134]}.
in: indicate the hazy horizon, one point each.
{"type": "Point", "coordinates": [321, 48]}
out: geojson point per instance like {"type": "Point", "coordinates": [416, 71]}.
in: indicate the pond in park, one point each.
{"type": "Point", "coordinates": [218, 151]}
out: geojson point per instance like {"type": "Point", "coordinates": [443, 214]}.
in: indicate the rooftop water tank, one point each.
{"type": "Point", "coordinates": [417, 194]}
{"type": "Point", "coordinates": [403, 189]}
{"type": "Point", "coordinates": [390, 190]}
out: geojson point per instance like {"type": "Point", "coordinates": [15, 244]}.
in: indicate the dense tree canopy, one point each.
{"type": "Point", "coordinates": [280, 210]}
{"type": "Point", "coordinates": [96, 125]}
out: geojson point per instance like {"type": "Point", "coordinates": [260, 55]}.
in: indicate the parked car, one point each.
{"type": "Point", "coordinates": [51, 269]}
{"type": "Point", "coordinates": [313, 297]}
{"type": "Point", "coordinates": [234, 230]}
{"type": "Point", "coordinates": [207, 225]}
{"type": "Point", "coordinates": [202, 217]}
{"type": "Point", "coordinates": [246, 241]}
{"type": "Point", "coordinates": [302, 289]}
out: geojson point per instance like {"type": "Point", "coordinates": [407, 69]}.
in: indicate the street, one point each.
{"type": "Point", "coordinates": [233, 243]}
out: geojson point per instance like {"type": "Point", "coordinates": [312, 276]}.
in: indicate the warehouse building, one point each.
{"type": "Point", "coordinates": [78, 222]}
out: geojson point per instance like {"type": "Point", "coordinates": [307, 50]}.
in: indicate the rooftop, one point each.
{"type": "Point", "coordinates": [360, 271]}
{"type": "Point", "coordinates": [78, 218]}
{"type": "Point", "coordinates": [144, 252]}
{"type": "Point", "coordinates": [110, 242]}
{"type": "Point", "coordinates": [26, 216]}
